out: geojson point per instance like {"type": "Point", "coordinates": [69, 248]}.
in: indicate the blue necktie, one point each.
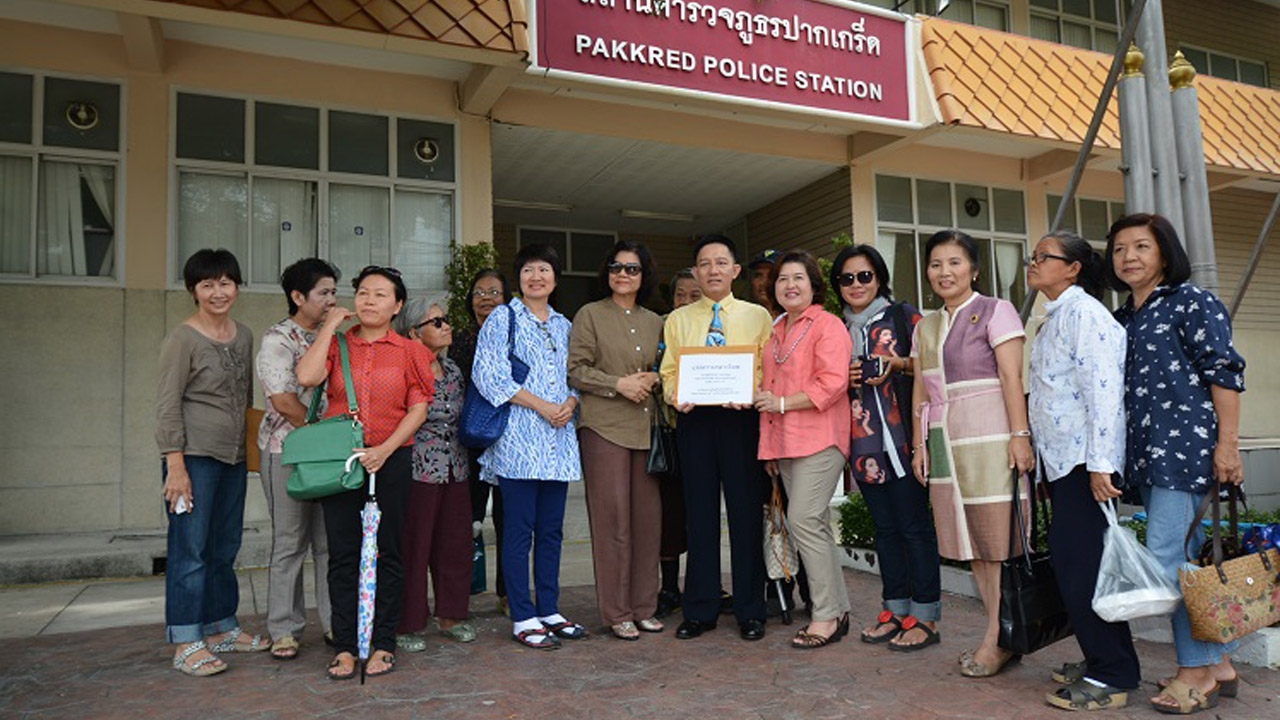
{"type": "Point", "coordinates": [715, 335]}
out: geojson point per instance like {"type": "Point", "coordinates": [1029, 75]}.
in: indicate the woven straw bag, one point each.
{"type": "Point", "coordinates": [1228, 599]}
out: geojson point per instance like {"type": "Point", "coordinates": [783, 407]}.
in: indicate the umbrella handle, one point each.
{"type": "Point", "coordinates": [373, 477]}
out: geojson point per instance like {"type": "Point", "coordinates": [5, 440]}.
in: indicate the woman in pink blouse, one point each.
{"type": "Point", "coordinates": [804, 432]}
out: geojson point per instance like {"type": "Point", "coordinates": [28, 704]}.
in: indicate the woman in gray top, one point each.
{"type": "Point", "coordinates": [205, 387]}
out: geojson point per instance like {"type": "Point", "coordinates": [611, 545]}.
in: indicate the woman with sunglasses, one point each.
{"type": "Point", "coordinates": [393, 387]}
{"type": "Point", "coordinates": [880, 386]}
{"type": "Point", "coordinates": [489, 290]}
{"type": "Point", "coordinates": [611, 356]}
{"type": "Point", "coordinates": [537, 456]}
{"type": "Point", "coordinates": [437, 533]}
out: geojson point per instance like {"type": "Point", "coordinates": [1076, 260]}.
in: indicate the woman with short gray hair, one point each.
{"type": "Point", "coordinates": [437, 531]}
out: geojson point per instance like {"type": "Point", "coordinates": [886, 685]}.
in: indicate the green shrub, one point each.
{"type": "Point", "coordinates": [466, 261]}
{"type": "Point", "coordinates": [856, 526]}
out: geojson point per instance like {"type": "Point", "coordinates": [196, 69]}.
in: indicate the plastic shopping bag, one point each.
{"type": "Point", "coordinates": [1131, 583]}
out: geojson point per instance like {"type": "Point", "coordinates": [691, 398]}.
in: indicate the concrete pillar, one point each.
{"type": "Point", "coordinates": [1164, 156]}
{"type": "Point", "coordinates": [1197, 218]}
{"type": "Point", "coordinates": [1135, 143]}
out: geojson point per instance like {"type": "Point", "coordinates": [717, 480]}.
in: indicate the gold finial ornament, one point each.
{"type": "Point", "coordinates": [1181, 72]}
{"type": "Point", "coordinates": [1133, 60]}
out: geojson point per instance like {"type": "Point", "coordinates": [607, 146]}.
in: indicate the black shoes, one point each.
{"type": "Point", "coordinates": [751, 629]}
{"type": "Point", "coordinates": [690, 629]}
{"type": "Point", "coordinates": [668, 602]}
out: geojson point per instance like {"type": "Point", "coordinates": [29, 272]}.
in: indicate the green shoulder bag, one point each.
{"type": "Point", "coordinates": [318, 451]}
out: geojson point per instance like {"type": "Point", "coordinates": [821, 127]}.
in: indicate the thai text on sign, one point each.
{"type": "Point", "coordinates": [832, 57]}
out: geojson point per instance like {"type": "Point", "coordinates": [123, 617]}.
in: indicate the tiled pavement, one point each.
{"type": "Point", "coordinates": [123, 672]}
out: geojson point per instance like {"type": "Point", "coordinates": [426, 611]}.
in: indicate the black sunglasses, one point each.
{"type": "Point", "coordinates": [632, 269]}
{"type": "Point", "coordinates": [438, 322]}
{"type": "Point", "coordinates": [864, 277]}
{"type": "Point", "coordinates": [368, 269]}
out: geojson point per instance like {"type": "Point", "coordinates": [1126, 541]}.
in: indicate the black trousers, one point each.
{"type": "Point", "coordinates": [344, 529]}
{"type": "Point", "coordinates": [479, 499]}
{"type": "Point", "coordinates": [718, 451]}
{"type": "Point", "coordinates": [1075, 541]}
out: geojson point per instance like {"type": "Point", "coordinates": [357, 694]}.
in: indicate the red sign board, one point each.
{"type": "Point", "coordinates": [828, 56]}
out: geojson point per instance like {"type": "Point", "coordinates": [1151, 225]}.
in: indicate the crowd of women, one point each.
{"type": "Point", "coordinates": [929, 415]}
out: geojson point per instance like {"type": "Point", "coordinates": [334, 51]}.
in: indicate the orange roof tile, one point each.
{"type": "Point", "coordinates": [1038, 89]}
{"type": "Point", "coordinates": [493, 24]}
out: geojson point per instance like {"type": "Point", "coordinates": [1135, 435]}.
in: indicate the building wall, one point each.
{"type": "Point", "coordinates": [1231, 27]}
{"type": "Point", "coordinates": [78, 436]}
{"type": "Point", "coordinates": [807, 219]}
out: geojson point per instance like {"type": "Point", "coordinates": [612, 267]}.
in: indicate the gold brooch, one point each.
{"type": "Point", "coordinates": [973, 319]}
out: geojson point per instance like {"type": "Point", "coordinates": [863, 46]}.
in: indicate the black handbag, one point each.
{"type": "Point", "coordinates": [664, 460]}
{"type": "Point", "coordinates": [1032, 614]}
{"type": "Point", "coordinates": [482, 422]}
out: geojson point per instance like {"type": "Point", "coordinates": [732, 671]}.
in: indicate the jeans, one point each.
{"type": "Point", "coordinates": [907, 547]}
{"type": "Point", "coordinates": [534, 517]}
{"type": "Point", "coordinates": [201, 592]}
{"type": "Point", "coordinates": [1169, 514]}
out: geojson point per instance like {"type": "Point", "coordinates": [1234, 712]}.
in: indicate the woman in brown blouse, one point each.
{"type": "Point", "coordinates": [611, 356]}
{"type": "Point", "coordinates": [437, 529]}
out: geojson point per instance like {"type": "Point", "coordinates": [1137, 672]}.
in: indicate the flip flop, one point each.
{"type": "Point", "coordinates": [335, 664]}
{"type": "Point", "coordinates": [931, 637]}
{"type": "Point", "coordinates": [388, 659]}
{"type": "Point", "coordinates": [884, 618]}
{"type": "Point", "coordinates": [548, 641]}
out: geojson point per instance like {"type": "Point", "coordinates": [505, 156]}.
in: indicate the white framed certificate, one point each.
{"type": "Point", "coordinates": [716, 375]}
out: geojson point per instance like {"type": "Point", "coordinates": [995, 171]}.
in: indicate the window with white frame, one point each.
{"type": "Point", "coordinates": [910, 210]}
{"type": "Point", "coordinates": [1088, 24]}
{"type": "Point", "coordinates": [60, 141]}
{"type": "Point", "coordinates": [993, 14]}
{"type": "Point", "coordinates": [1091, 219]}
{"type": "Point", "coordinates": [277, 182]}
{"type": "Point", "coordinates": [1227, 67]}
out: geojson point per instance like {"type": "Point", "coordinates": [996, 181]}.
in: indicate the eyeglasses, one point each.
{"type": "Point", "coordinates": [438, 322]}
{"type": "Point", "coordinates": [863, 277]}
{"type": "Point", "coordinates": [631, 269]}
{"type": "Point", "coordinates": [478, 293]}
{"type": "Point", "coordinates": [380, 269]}
{"type": "Point", "coordinates": [1039, 258]}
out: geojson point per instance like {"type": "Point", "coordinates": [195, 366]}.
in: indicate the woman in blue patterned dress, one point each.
{"type": "Point", "coordinates": [1183, 379]}
{"type": "Point", "coordinates": [537, 456]}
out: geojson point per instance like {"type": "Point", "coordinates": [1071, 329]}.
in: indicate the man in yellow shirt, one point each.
{"type": "Point", "coordinates": [718, 447]}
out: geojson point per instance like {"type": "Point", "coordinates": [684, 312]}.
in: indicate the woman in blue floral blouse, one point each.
{"type": "Point", "coordinates": [1183, 379]}
{"type": "Point", "coordinates": [537, 456]}
{"type": "Point", "coordinates": [437, 528]}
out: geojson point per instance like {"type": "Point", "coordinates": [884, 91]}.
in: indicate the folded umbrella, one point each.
{"type": "Point", "coordinates": [370, 518]}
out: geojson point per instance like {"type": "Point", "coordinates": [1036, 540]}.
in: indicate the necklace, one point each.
{"type": "Point", "coordinates": [796, 342]}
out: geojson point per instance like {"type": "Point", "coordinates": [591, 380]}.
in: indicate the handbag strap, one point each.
{"type": "Point", "coordinates": [1213, 499]}
{"type": "Point", "coordinates": [313, 411]}
{"type": "Point", "coordinates": [511, 334]}
{"type": "Point", "coordinates": [1029, 539]}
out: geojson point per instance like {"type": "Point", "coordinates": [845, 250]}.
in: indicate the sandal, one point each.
{"type": "Point", "coordinates": [884, 618]}
{"type": "Point", "coordinates": [1226, 688]}
{"type": "Point", "coordinates": [461, 632]}
{"type": "Point", "coordinates": [286, 648]}
{"type": "Point", "coordinates": [337, 664]}
{"type": "Point", "coordinates": [1069, 673]}
{"type": "Point", "coordinates": [970, 667]}
{"type": "Point", "coordinates": [525, 637]}
{"type": "Point", "coordinates": [805, 640]}
{"type": "Point", "coordinates": [1189, 700]}
{"type": "Point", "coordinates": [203, 667]}
{"type": "Point", "coordinates": [231, 642]}
{"type": "Point", "coordinates": [625, 630]}
{"type": "Point", "coordinates": [411, 642]}
{"type": "Point", "coordinates": [650, 625]}
{"type": "Point", "coordinates": [1084, 695]}
{"type": "Point", "coordinates": [909, 623]}
{"type": "Point", "coordinates": [387, 659]}
{"type": "Point", "coordinates": [567, 630]}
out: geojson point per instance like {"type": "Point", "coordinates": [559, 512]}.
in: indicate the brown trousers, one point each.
{"type": "Point", "coordinates": [625, 511]}
{"type": "Point", "coordinates": [436, 549]}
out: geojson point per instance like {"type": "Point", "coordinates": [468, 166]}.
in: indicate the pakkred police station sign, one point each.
{"type": "Point", "coordinates": [829, 56]}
